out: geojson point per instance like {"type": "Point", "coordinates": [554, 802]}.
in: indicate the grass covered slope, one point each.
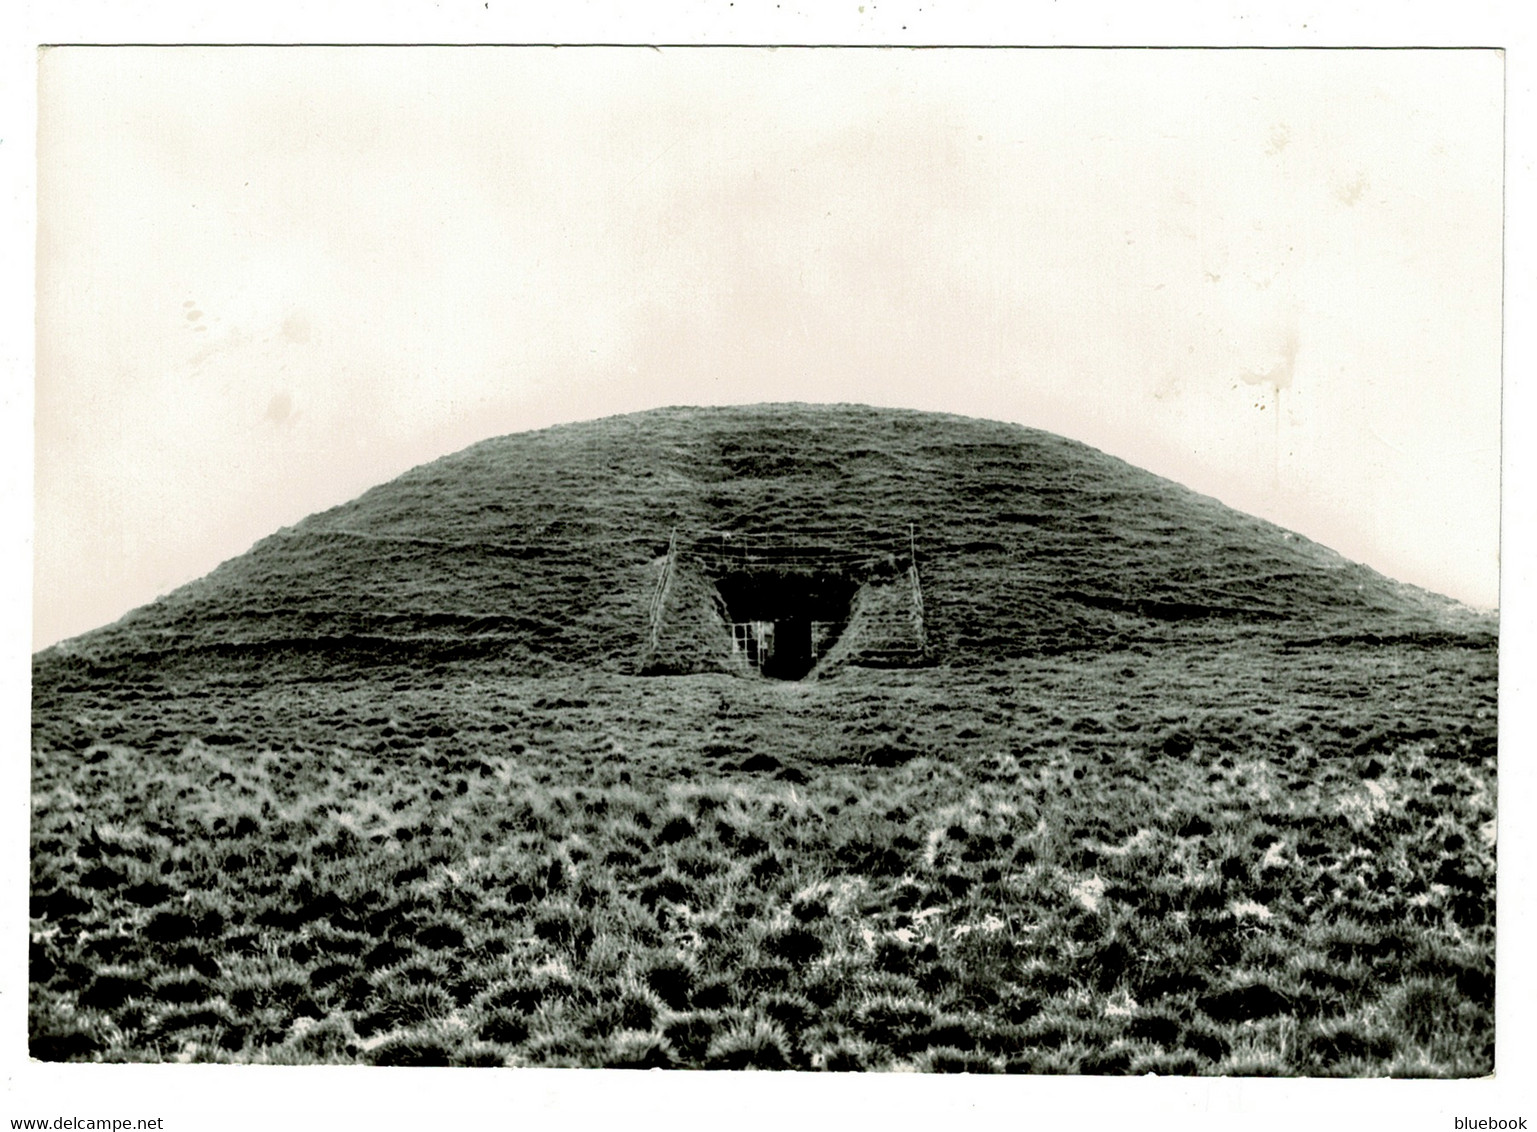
{"type": "Point", "coordinates": [1175, 860]}
{"type": "Point", "coordinates": [543, 547]}
{"type": "Point", "coordinates": [1180, 793]}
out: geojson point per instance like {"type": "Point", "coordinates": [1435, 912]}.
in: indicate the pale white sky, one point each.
{"type": "Point", "coordinates": [269, 279]}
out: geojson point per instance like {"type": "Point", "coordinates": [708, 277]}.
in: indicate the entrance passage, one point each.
{"type": "Point", "coordinates": [784, 621]}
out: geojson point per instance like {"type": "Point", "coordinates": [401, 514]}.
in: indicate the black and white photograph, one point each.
{"type": "Point", "coordinates": [841, 560]}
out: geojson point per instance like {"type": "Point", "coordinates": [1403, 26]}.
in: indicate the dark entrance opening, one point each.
{"type": "Point", "coordinates": [784, 621]}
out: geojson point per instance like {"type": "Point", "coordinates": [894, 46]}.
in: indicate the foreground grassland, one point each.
{"type": "Point", "coordinates": [1236, 859]}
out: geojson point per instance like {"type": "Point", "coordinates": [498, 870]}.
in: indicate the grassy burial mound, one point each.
{"type": "Point", "coordinates": [543, 549]}
{"type": "Point", "coordinates": [661, 741]}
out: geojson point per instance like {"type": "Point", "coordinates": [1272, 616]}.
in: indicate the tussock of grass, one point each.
{"type": "Point", "coordinates": [638, 1049]}
{"type": "Point", "coordinates": [413, 1052]}
{"type": "Point", "coordinates": [756, 1045]}
{"type": "Point", "coordinates": [672, 982]}
{"type": "Point", "coordinates": [109, 990]}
